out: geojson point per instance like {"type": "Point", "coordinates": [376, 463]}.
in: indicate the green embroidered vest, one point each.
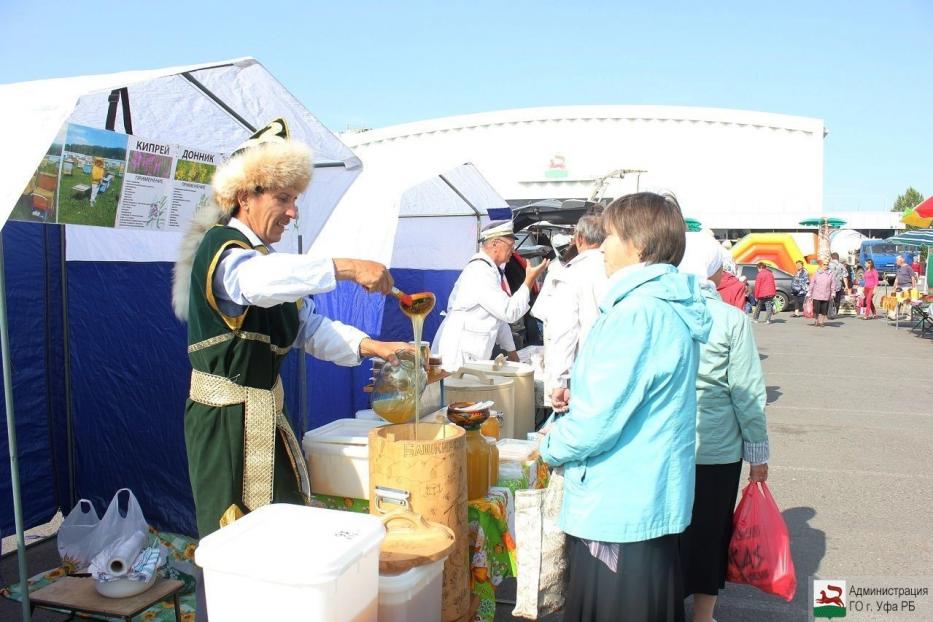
{"type": "Point", "coordinates": [248, 348]}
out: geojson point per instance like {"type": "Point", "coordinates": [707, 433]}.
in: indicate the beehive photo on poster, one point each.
{"type": "Point", "coordinates": [89, 187]}
{"type": "Point", "coordinates": [38, 202]}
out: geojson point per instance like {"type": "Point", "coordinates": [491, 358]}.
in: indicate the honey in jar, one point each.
{"type": "Point", "coordinates": [478, 463]}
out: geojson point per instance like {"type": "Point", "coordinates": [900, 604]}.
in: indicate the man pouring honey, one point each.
{"type": "Point", "coordinates": [481, 305]}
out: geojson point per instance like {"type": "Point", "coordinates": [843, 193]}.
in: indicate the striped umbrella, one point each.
{"type": "Point", "coordinates": [917, 237]}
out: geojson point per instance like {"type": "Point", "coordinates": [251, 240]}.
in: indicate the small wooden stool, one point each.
{"type": "Point", "coordinates": [78, 595]}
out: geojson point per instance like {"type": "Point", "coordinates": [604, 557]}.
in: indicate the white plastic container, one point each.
{"type": "Point", "coordinates": [290, 562]}
{"type": "Point", "coordinates": [368, 415]}
{"type": "Point", "coordinates": [338, 457]}
{"type": "Point", "coordinates": [523, 377]}
{"type": "Point", "coordinates": [413, 595]}
{"type": "Point", "coordinates": [514, 450]}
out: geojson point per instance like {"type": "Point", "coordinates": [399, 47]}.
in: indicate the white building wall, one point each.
{"type": "Point", "coordinates": [729, 168]}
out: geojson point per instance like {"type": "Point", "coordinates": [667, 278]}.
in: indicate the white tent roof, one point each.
{"type": "Point", "coordinates": [430, 217]}
{"type": "Point", "coordinates": [210, 106]}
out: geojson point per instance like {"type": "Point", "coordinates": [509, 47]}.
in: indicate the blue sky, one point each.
{"type": "Point", "coordinates": [81, 135]}
{"type": "Point", "coordinates": [862, 67]}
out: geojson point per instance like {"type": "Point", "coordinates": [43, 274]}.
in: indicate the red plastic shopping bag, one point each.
{"type": "Point", "coordinates": [808, 307]}
{"type": "Point", "coordinates": [759, 553]}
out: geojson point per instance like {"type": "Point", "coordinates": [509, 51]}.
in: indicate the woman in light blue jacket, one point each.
{"type": "Point", "coordinates": [628, 441]}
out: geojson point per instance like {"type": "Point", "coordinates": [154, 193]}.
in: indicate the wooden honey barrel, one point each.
{"type": "Point", "coordinates": [427, 475]}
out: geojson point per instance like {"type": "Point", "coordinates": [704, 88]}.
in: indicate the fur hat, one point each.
{"type": "Point", "coordinates": [268, 160]}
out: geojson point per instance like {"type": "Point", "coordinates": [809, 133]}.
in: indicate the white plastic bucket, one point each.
{"type": "Point", "coordinates": [290, 562]}
{"type": "Point", "coordinates": [338, 457]}
{"type": "Point", "coordinates": [413, 595]}
{"type": "Point", "coordinates": [523, 376]}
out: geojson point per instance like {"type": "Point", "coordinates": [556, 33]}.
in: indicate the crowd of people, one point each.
{"type": "Point", "coordinates": [824, 292]}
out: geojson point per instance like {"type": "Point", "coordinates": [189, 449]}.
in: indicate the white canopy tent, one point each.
{"type": "Point", "coordinates": [421, 219]}
{"type": "Point", "coordinates": [213, 106]}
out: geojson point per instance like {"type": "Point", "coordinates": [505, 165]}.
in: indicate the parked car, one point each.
{"type": "Point", "coordinates": [782, 282]}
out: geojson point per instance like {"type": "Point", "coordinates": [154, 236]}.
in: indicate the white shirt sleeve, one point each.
{"type": "Point", "coordinates": [504, 337]}
{"type": "Point", "coordinates": [491, 297]}
{"type": "Point", "coordinates": [247, 277]}
{"type": "Point", "coordinates": [326, 339]}
{"type": "Point", "coordinates": [564, 333]}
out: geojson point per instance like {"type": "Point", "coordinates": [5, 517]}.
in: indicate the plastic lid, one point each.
{"type": "Point", "coordinates": [412, 541]}
{"type": "Point", "coordinates": [344, 432]}
{"type": "Point", "coordinates": [291, 544]}
{"type": "Point", "coordinates": [508, 368]}
{"type": "Point", "coordinates": [515, 450]}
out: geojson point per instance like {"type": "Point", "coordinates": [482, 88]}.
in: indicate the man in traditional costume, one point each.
{"type": "Point", "coordinates": [246, 307]}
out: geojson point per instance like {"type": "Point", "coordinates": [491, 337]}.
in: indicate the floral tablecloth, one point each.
{"type": "Point", "coordinates": [180, 553]}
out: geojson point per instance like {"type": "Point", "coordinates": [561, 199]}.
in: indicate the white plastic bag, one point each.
{"type": "Point", "coordinates": [117, 526]}
{"type": "Point", "coordinates": [74, 534]}
{"type": "Point", "coordinates": [81, 536]}
{"type": "Point", "coordinates": [541, 550]}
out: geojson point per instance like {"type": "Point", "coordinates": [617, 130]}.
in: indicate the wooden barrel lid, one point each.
{"type": "Point", "coordinates": [412, 541]}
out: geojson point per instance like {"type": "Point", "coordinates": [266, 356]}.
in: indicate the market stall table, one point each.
{"type": "Point", "coordinates": [79, 596]}
{"type": "Point", "coordinates": [180, 552]}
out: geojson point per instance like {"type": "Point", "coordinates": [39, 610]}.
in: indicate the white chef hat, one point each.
{"type": "Point", "coordinates": [702, 255]}
{"type": "Point", "coordinates": [497, 229]}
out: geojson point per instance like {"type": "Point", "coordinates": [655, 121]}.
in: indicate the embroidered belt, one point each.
{"type": "Point", "coordinates": [263, 417]}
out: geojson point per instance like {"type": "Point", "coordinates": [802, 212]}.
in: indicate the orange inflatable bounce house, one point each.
{"type": "Point", "coordinates": [778, 249]}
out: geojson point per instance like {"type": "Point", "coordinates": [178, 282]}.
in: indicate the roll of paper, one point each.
{"type": "Point", "coordinates": [125, 553]}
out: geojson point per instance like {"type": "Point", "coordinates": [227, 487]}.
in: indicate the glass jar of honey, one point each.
{"type": "Point", "coordinates": [478, 463]}
{"type": "Point", "coordinates": [493, 461]}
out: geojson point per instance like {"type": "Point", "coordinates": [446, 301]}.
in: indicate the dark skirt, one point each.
{"type": "Point", "coordinates": [820, 307]}
{"type": "Point", "coordinates": [646, 588]}
{"type": "Point", "coordinates": [704, 545]}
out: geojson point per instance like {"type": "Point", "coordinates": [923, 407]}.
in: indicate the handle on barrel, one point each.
{"type": "Point", "coordinates": [464, 371]}
{"type": "Point", "coordinates": [391, 495]}
{"type": "Point", "coordinates": [412, 518]}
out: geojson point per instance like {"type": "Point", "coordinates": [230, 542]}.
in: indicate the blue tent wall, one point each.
{"type": "Point", "coordinates": [129, 380]}
{"type": "Point", "coordinates": [395, 325]}
{"type": "Point", "coordinates": [32, 255]}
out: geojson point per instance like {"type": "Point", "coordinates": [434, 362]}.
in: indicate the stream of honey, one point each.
{"type": "Point", "coordinates": [419, 307]}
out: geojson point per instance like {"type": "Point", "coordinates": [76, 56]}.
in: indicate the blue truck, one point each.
{"type": "Point", "coordinates": [883, 253]}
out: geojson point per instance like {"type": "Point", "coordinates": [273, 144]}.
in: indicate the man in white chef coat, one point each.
{"type": "Point", "coordinates": [574, 306]}
{"type": "Point", "coordinates": [481, 306]}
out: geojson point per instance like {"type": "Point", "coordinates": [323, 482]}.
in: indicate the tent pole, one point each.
{"type": "Point", "coordinates": [302, 376]}
{"type": "Point", "coordinates": [11, 435]}
{"type": "Point", "coordinates": [66, 354]}
{"type": "Point", "coordinates": [479, 215]}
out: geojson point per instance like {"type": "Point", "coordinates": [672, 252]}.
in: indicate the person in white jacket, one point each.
{"type": "Point", "coordinates": [481, 307]}
{"type": "Point", "coordinates": [577, 289]}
